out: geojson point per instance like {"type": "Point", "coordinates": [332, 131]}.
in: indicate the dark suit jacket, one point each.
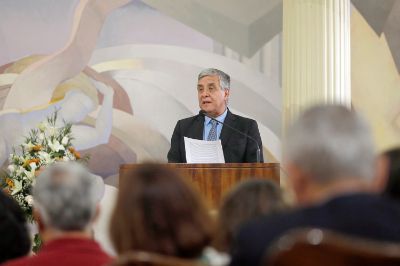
{"type": "Point", "coordinates": [237, 148]}
{"type": "Point", "coordinates": [362, 215]}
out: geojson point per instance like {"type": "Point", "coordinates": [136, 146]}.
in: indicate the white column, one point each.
{"type": "Point", "coordinates": [316, 54]}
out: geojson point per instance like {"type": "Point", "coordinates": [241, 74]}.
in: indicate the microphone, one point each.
{"type": "Point", "coordinates": [258, 152]}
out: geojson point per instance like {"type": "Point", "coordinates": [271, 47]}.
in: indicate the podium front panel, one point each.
{"type": "Point", "coordinates": [214, 180]}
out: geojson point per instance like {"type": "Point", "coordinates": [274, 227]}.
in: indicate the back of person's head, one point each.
{"type": "Point", "coordinates": [65, 197]}
{"type": "Point", "coordinates": [249, 200]}
{"type": "Point", "coordinates": [157, 211]}
{"type": "Point", "coordinates": [393, 184]}
{"type": "Point", "coordinates": [330, 142]}
{"type": "Point", "coordinates": [14, 241]}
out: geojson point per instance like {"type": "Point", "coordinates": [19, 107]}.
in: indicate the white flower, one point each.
{"type": "Point", "coordinates": [66, 159]}
{"type": "Point", "coordinates": [64, 141]}
{"type": "Point", "coordinates": [41, 136]}
{"type": "Point", "coordinates": [19, 159]}
{"type": "Point", "coordinates": [33, 166]}
{"type": "Point", "coordinates": [20, 170]}
{"type": "Point", "coordinates": [70, 156]}
{"type": "Point", "coordinates": [45, 157]}
{"type": "Point", "coordinates": [29, 200]}
{"type": "Point", "coordinates": [30, 175]}
{"type": "Point", "coordinates": [56, 146]}
{"type": "Point", "coordinates": [51, 131]}
{"type": "Point", "coordinates": [43, 126]}
{"type": "Point", "coordinates": [28, 145]}
{"type": "Point", "coordinates": [17, 187]}
{"type": "Point", "coordinates": [11, 168]}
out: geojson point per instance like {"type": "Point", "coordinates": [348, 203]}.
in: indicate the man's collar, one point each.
{"type": "Point", "coordinates": [220, 118]}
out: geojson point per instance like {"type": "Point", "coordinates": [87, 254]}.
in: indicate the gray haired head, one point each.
{"type": "Point", "coordinates": [330, 142]}
{"type": "Point", "coordinates": [65, 194]}
{"type": "Point", "coordinates": [224, 79]}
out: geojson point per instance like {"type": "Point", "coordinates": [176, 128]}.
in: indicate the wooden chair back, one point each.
{"type": "Point", "coordinates": [316, 247]}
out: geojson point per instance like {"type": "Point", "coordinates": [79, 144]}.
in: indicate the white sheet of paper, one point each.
{"type": "Point", "coordinates": [201, 151]}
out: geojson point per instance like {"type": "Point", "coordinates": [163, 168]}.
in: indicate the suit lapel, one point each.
{"type": "Point", "coordinates": [226, 132]}
{"type": "Point", "coordinates": [197, 128]}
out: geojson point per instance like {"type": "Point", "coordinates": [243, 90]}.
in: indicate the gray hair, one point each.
{"type": "Point", "coordinates": [65, 196]}
{"type": "Point", "coordinates": [224, 79]}
{"type": "Point", "coordinates": [331, 142]}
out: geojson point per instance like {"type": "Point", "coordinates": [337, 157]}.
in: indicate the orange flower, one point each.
{"type": "Point", "coordinates": [75, 153]}
{"type": "Point", "coordinates": [34, 160]}
{"type": "Point", "coordinates": [10, 183]}
{"type": "Point", "coordinates": [36, 148]}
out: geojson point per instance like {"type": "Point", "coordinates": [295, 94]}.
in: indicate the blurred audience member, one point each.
{"type": "Point", "coordinates": [249, 200]}
{"type": "Point", "coordinates": [330, 158]}
{"type": "Point", "coordinates": [393, 184]}
{"type": "Point", "coordinates": [158, 212]}
{"type": "Point", "coordinates": [14, 241]}
{"type": "Point", "coordinates": [65, 201]}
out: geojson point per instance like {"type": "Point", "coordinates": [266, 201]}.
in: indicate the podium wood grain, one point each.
{"type": "Point", "coordinates": [214, 180]}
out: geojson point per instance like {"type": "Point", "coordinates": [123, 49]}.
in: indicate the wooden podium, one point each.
{"type": "Point", "coordinates": [214, 180]}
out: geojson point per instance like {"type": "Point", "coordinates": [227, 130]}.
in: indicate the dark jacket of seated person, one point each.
{"type": "Point", "coordinates": [237, 148]}
{"type": "Point", "coordinates": [392, 188]}
{"type": "Point", "coordinates": [364, 215]}
{"type": "Point", "coordinates": [331, 163]}
{"type": "Point", "coordinates": [14, 241]}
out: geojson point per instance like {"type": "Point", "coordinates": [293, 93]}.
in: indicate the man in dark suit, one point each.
{"type": "Point", "coordinates": [330, 159]}
{"type": "Point", "coordinates": [213, 90]}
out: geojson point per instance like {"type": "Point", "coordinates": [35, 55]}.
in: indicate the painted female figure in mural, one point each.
{"type": "Point", "coordinates": [73, 108]}
{"type": "Point", "coordinates": [36, 85]}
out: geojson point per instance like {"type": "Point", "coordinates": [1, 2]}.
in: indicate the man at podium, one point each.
{"type": "Point", "coordinates": [240, 137]}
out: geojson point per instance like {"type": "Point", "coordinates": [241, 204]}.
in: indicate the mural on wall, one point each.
{"type": "Point", "coordinates": [137, 80]}
{"type": "Point", "coordinates": [375, 83]}
{"type": "Point", "coordinates": [148, 53]}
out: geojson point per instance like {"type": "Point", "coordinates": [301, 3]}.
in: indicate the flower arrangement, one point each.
{"type": "Point", "coordinates": [46, 144]}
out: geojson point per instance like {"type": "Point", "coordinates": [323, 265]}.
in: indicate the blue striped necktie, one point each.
{"type": "Point", "coordinates": [212, 135]}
